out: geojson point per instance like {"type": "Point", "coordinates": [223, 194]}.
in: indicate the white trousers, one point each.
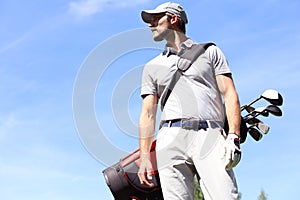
{"type": "Point", "coordinates": [182, 153]}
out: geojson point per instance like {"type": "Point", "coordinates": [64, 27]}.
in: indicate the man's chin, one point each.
{"type": "Point", "coordinates": [157, 38]}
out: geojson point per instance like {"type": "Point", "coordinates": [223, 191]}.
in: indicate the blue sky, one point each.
{"type": "Point", "coordinates": [43, 49]}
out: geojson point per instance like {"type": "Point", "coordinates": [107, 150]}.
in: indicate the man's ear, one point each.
{"type": "Point", "coordinates": [174, 19]}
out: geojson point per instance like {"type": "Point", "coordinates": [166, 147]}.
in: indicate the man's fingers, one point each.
{"type": "Point", "coordinates": [144, 180]}
{"type": "Point", "coordinates": [149, 175]}
{"type": "Point", "coordinates": [148, 183]}
{"type": "Point", "coordinates": [141, 177]}
{"type": "Point", "coordinates": [145, 175]}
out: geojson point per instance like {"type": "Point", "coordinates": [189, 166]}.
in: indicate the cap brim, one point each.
{"type": "Point", "coordinates": [147, 14]}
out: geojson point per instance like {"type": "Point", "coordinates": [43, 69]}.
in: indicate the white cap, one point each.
{"type": "Point", "coordinates": [170, 7]}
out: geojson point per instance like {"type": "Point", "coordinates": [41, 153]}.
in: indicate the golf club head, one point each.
{"type": "Point", "coordinates": [261, 111]}
{"type": "Point", "coordinates": [249, 109]}
{"type": "Point", "coordinates": [264, 128]}
{"type": "Point", "coordinates": [273, 97]}
{"type": "Point", "coordinates": [274, 110]}
{"type": "Point", "coordinates": [251, 120]}
{"type": "Point", "coordinates": [243, 107]}
{"type": "Point", "coordinates": [256, 135]}
{"type": "Point", "coordinates": [270, 95]}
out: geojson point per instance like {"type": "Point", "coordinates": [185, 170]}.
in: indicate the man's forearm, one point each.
{"type": "Point", "coordinates": [146, 133]}
{"type": "Point", "coordinates": [232, 104]}
{"type": "Point", "coordinates": [233, 112]}
{"type": "Point", "coordinates": [147, 123]}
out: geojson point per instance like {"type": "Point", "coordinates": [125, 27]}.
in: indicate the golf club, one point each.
{"type": "Point", "coordinates": [272, 96]}
{"type": "Point", "coordinates": [264, 111]}
{"type": "Point", "coordinates": [256, 135]}
{"type": "Point", "coordinates": [261, 111]}
{"type": "Point", "coordinates": [264, 128]}
{"type": "Point", "coordinates": [258, 111]}
{"type": "Point", "coordinates": [251, 120]}
{"type": "Point", "coordinates": [249, 109]}
{"type": "Point", "coordinates": [254, 122]}
{"type": "Point", "coordinates": [274, 110]}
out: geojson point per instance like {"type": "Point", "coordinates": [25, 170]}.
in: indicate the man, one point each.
{"type": "Point", "coordinates": [182, 148]}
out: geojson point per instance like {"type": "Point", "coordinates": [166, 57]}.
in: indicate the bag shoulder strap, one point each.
{"type": "Point", "coordinates": [190, 55]}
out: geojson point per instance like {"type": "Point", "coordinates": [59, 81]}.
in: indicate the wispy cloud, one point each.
{"type": "Point", "coordinates": [85, 8]}
{"type": "Point", "coordinates": [6, 124]}
{"type": "Point", "coordinates": [14, 43]}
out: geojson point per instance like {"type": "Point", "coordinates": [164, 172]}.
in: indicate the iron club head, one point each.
{"type": "Point", "coordinates": [256, 135]}
{"type": "Point", "coordinates": [249, 109]}
{"type": "Point", "coordinates": [255, 122]}
{"type": "Point", "coordinates": [251, 120]}
{"type": "Point", "coordinates": [264, 128]}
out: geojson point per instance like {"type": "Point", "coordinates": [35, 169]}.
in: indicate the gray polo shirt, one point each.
{"type": "Point", "coordinates": [196, 94]}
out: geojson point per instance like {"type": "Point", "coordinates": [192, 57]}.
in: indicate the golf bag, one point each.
{"type": "Point", "coordinates": [122, 177]}
{"type": "Point", "coordinates": [123, 181]}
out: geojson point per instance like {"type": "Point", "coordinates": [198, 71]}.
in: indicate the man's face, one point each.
{"type": "Point", "coordinates": [159, 26]}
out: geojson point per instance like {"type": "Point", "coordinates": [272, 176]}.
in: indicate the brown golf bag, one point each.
{"type": "Point", "coordinates": [123, 181]}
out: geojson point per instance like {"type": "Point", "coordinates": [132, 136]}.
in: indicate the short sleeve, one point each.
{"type": "Point", "coordinates": [148, 84]}
{"type": "Point", "coordinates": [218, 60]}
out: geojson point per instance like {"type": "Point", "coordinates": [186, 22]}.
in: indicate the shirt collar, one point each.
{"type": "Point", "coordinates": [171, 51]}
{"type": "Point", "coordinates": [187, 44]}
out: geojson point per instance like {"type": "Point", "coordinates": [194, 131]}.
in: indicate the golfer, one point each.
{"type": "Point", "coordinates": [191, 140]}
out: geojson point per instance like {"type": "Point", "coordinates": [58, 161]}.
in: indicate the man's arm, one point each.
{"type": "Point", "coordinates": [146, 133]}
{"type": "Point", "coordinates": [232, 151]}
{"type": "Point", "coordinates": [231, 100]}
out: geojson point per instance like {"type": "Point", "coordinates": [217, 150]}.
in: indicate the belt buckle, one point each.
{"type": "Point", "coordinates": [190, 124]}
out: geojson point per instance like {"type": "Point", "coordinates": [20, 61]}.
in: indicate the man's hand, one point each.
{"type": "Point", "coordinates": [232, 151]}
{"type": "Point", "coordinates": [145, 171]}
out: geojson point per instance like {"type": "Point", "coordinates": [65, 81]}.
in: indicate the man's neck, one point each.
{"type": "Point", "coordinates": [176, 40]}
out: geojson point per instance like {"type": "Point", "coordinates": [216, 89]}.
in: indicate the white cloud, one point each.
{"type": "Point", "coordinates": [13, 44]}
{"type": "Point", "coordinates": [7, 123]}
{"type": "Point", "coordinates": [85, 8]}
